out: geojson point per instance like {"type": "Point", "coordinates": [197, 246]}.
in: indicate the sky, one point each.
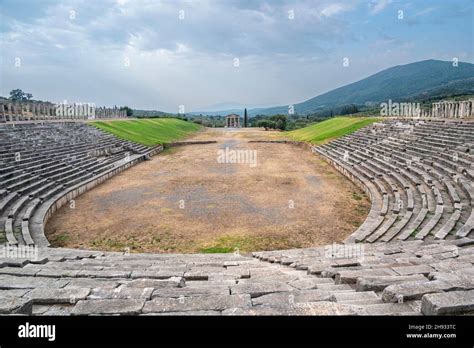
{"type": "Point", "coordinates": [175, 55]}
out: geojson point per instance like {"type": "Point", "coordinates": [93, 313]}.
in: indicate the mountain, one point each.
{"type": "Point", "coordinates": [221, 112]}
{"type": "Point", "coordinates": [414, 81]}
{"type": "Point", "coordinates": [225, 109]}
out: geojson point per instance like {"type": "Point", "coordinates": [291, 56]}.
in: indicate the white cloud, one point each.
{"type": "Point", "coordinates": [377, 6]}
{"type": "Point", "coordinates": [333, 9]}
{"type": "Point", "coordinates": [189, 61]}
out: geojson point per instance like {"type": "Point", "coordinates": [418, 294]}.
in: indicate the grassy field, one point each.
{"type": "Point", "coordinates": [333, 128]}
{"type": "Point", "coordinates": [150, 131]}
{"type": "Point", "coordinates": [225, 206]}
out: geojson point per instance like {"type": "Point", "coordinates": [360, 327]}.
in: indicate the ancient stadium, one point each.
{"type": "Point", "coordinates": [376, 221]}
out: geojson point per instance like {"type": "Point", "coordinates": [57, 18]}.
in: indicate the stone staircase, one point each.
{"type": "Point", "coordinates": [391, 278]}
{"type": "Point", "coordinates": [400, 278]}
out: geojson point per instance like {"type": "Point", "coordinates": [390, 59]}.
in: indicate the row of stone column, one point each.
{"type": "Point", "coordinates": [453, 109]}
{"type": "Point", "coordinates": [16, 111]}
{"type": "Point", "coordinates": [45, 111]}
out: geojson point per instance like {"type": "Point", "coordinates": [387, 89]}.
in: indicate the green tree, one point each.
{"type": "Point", "coordinates": [349, 109]}
{"type": "Point", "coordinates": [267, 124]}
{"type": "Point", "coordinates": [18, 95]}
{"type": "Point", "coordinates": [280, 121]}
{"type": "Point", "coordinates": [245, 118]}
{"type": "Point", "coordinates": [129, 110]}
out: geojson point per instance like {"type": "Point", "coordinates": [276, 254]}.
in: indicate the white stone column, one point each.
{"type": "Point", "coordinates": [34, 111]}
{"type": "Point", "coordinates": [3, 117]}
{"type": "Point", "coordinates": [22, 111]}
{"type": "Point", "coordinates": [11, 112]}
{"type": "Point", "coordinates": [42, 111]}
{"type": "Point", "coordinates": [15, 111]}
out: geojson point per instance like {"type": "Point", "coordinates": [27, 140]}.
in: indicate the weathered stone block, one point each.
{"type": "Point", "coordinates": [328, 308]}
{"type": "Point", "coordinates": [121, 293]}
{"type": "Point", "coordinates": [310, 283]}
{"type": "Point", "coordinates": [173, 282]}
{"type": "Point", "coordinates": [259, 289]}
{"type": "Point", "coordinates": [104, 274]}
{"type": "Point", "coordinates": [416, 269]}
{"type": "Point", "coordinates": [379, 283]}
{"type": "Point", "coordinates": [350, 277]}
{"type": "Point", "coordinates": [190, 291]}
{"type": "Point", "coordinates": [156, 274]}
{"type": "Point", "coordinates": [15, 305]}
{"type": "Point", "coordinates": [14, 282]}
{"type": "Point", "coordinates": [413, 290]}
{"type": "Point", "coordinates": [91, 283]}
{"type": "Point", "coordinates": [51, 296]}
{"type": "Point", "coordinates": [448, 303]}
{"type": "Point", "coordinates": [346, 296]}
{"type": "Point", "coordinates": [114, 306]}
{"type": "Point", "coordinates": [194, 303]}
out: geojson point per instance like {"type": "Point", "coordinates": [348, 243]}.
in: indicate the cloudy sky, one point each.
{"type": "Point", "coordinates": [163, 54]}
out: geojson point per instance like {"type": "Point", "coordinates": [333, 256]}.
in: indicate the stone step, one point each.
{"type": "Point", "coordinates": [256, 290]}
{"type": "Point", "coordinates": [52, 296]}
{"type": "Point", "coordinates": [15, 305]}
{"type": "Point", "coordinates": [351, 296]}
{"type": "Point", "coordinates": [195, 303]}
{"type": "Point", "coordinates": [107, 307]}
{"type": "Point", "coordinates": [363, 303]}
{"type": "Point", "coordinates": [414, 290]}
{"type": "Point", "coordinates": [334, 287]}
{"type": "Point", "coordinates": [389, 309]}
{"type": "Point", "coordinates": [415, 269]}
{"type": "Point", "coordinates": [368, 283]}
{"type": "Point", "coordinates": [350, 277]}
{"type": "Point", "coordinates": [448, 303]}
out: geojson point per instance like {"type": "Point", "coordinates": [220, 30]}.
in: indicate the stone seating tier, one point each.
{"type": "Point", "coordinates": [39, 161]}
{"type": "Point", "coordinates": [415, 247]}
{"type": "Point", "coordinates": [414, 172]}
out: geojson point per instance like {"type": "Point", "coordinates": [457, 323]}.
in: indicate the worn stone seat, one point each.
{"type": "Point", "coordinates": [80, 282]}
{"type": "Point", "coordinates": [410, 263]}
{"type": "Point", "coordinates": [14, 179]}
{"type": "Point", "coordinates": [39, 161]}
{"type": "Point", "coordinates": [422, 182]}
{"type": "Point", "coordinates": [6, 200]}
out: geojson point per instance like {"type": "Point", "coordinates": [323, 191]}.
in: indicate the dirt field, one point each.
{"type": "Point", "coordinates": [185, 200]}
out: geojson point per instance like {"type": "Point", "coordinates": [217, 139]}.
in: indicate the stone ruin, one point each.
{"type": "Point", "coordinates": [414, 254]}
{"type": "Point", "coordinates": [14, 111]}
{"type": "Point", "coordinates": [454, 109]}
{"type": "Point", "coordinates": [442, 109]}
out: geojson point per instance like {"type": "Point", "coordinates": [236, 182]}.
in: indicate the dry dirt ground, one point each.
{"type": "Point", "coordinates": [185, 200]}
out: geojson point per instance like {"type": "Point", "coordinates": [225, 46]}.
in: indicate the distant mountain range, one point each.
{"type": "Point", "coordinates": [229, 106]}
{"type": "Point", "coordinates": [415, 81]}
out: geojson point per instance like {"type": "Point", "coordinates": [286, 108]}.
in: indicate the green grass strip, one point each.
{"type": "Point", "coordinates": [333, 128]}
{"type": "Point", "coordinates": [149, 132]}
